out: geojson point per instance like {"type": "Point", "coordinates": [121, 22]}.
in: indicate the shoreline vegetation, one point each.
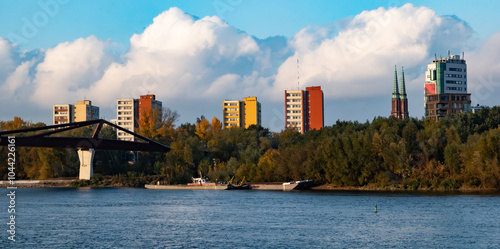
{"type": "Point", "coordinates": [460, 152]}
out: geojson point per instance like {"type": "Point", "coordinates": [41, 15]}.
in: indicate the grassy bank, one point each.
{"type": "Point", "coordinates": [332, 187]}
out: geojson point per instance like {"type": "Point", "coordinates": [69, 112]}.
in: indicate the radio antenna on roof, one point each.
{"type": "Point", "coordinates": [298, 75]}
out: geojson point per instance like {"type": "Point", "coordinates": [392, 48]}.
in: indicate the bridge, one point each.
{"type": "Point", "coordinates": [85, 146]}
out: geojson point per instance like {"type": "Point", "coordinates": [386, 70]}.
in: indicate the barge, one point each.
{"type": "Point", "coordinates": [198, 183]}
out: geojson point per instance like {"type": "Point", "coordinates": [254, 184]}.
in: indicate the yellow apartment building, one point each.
{"type": "Point", "coordinates": [251, 112]}
{"type": "Point", "coordinates": [241, 113]}
{"type": "Point", "coordinates": [84, 111]}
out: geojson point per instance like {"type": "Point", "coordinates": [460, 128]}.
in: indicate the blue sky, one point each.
{"type": "Point", "coordinates": [119, 19]}
{"type": "Point", "coordinates": [302, 29]}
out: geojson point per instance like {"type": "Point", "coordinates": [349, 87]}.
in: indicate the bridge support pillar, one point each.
{"type": "Point", "coordinates": [86, 163]}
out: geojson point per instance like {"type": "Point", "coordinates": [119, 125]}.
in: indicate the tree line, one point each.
{"type": "Point", "coordinates": [459, 151]}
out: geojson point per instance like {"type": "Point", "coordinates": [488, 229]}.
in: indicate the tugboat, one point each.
{"type": "Point", "coordinates": [242, 186]}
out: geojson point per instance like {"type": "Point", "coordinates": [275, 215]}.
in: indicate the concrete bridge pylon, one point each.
{"type": "Point", "coordinates": [86, 163]}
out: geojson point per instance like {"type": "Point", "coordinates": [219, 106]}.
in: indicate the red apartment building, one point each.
{"type": "Point", "coordinates": [148, 103]}
{"type": "Point", "coordinates": [304, 109]}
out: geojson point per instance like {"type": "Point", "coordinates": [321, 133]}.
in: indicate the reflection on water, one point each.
{"type": "Point", "coordinates": [141, 218]}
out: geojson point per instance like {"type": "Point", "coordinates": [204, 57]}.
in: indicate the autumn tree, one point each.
{"type": "Point", "coordinates": [206, 130]}
{"type": "Point", "coordinates": [203, 130]}
{"type": "Point", "coordinates": [157, 124]}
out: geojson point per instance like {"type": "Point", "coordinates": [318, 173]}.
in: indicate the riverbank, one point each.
{"type": "Point", "coordinates": [75, 183]}
{"type": "Point", "coordinates": [331, 187]}
{"type": "Point", "coordinates": [47, 183]}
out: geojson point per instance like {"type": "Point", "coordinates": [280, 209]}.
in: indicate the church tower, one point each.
{"type": "Point", "coordinates": [403, 97]}
{"type": "Point", "coordinates": [396, 100]}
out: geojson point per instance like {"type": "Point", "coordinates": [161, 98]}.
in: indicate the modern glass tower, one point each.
{"type": "Point", "coordinates": [446, 87]}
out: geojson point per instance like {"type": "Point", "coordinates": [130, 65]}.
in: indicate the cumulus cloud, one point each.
{"type": "Point", "coordinates": [7, 63]}
{"type": "Point", "coordinates": [483, 69]}
{"type": "Point", "coordinates": [19, 78]}
{"type": "Point", "coordinates": [180, 57]}
{"type": "Point", "coordinates": [69, 69]}
{"type": "Point", "coordinates": [359, 60]}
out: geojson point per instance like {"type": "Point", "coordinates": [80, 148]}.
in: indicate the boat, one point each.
{"type": "Point", "coordinates": [298, 185]}
{"type": "Point", "coordinates": [242, 186]}
{"type": "Point", "coordinates": [197, 184]}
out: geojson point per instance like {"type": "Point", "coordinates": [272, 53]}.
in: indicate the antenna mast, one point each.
{"type": "Point", "coordinates": [298, 75]}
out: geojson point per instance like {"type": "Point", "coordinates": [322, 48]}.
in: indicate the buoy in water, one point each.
{"type": "Point", "coordinates": [375, 208]}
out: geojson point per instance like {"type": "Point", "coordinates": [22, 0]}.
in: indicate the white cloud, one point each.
{"type": "Point", "coordinates": [180, 57]}
{"type": "Point", "coordinates": [359, 60]}
{"type": "Point", "coordinates": [18, 79]}
{"type": "Point", "coordinates": [483, 69]}
{"type": "Point", "coordinates": [7, 63]}
{"type": "Point", "coordinates": [68, 70]}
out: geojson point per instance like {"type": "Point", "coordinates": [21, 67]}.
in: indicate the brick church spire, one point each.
{"type": "Point", "coordinates": [403, 97]}
{"type": "Point", "coordinates": [396, 100]}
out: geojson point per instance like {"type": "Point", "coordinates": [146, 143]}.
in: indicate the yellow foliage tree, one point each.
{"type": "Point", "coordinates": [203, 130]}
{"type": "Point", "coordinates": [158, 125]}
{"type": "Point", "coordinates": [216, 126]}
{"type": "Point", "coordinates": [206, 131]}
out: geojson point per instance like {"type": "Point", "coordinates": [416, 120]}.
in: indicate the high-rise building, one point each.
{"type": "Point", "coordinates": [231, 113]}
{"type": "Point", "coordinates": [446, 87]}
{"type": "Point", "coordinates": [129, 113]}
{"type": "Point", "coordinates": [304, 109]}
{"type": "Point", "coordinates": [294, 110]}
{"type": "Point", "coordinates": [148, 104]}
{"type": "Point", "coordinates": [241, 113]}
{"type": "Point", "coordinates": [126, 117]}
{"type": "Point", "coordinates": [251, 112]}
{"type": "Point", "coordinates": [62, 114]}
{"type": "Point", "coordinates": [68, 113]}
{"type": "Point", "coordinates": [399, 101]}
{"type": "Point", "coordinates": [84, 110]}
{"type": "Point", "coordinates": [314, 106]}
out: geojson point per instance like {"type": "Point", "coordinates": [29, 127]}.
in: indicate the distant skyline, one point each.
{"type": "Point", "coordinates": [194, 54]}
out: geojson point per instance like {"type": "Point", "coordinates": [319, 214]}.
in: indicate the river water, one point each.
{"type": "Point", "coordinates": [141, 218]}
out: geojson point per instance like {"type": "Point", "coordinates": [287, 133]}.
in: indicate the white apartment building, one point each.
{"type": "Point", "coordinates": [126, 113]}
{"type": "Point", "coordinates": [294, 110]}
{"type": "Point", "coordinates": [62, 114]}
